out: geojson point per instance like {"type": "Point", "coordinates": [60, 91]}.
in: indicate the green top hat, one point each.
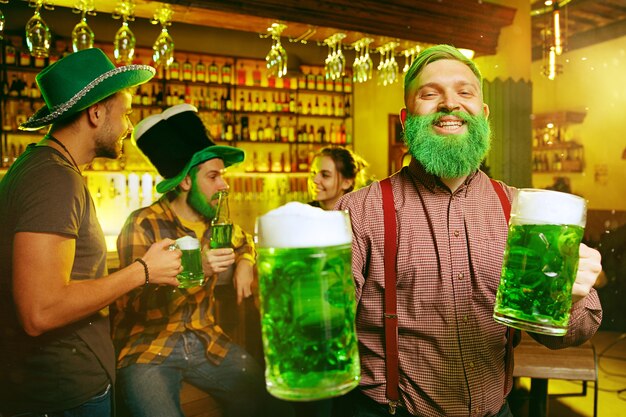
{"type": "Point", "coordinates": [80, 80]}
{"type": "Point", "coordinates": [175, 141]}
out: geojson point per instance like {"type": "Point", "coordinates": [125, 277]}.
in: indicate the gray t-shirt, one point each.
{"type": "Point", "coordinates": [43, 193]}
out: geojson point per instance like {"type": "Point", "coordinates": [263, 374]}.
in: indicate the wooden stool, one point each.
{"type": "Point", "coordinates": [197, 403]}
{"type": "Point", "coordinates": [535, 361]}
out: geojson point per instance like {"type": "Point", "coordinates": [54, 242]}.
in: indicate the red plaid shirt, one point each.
{"type": "Point", "coordinates": [450, 251]}
{"type": "Point", "coordinates": [148, 321]}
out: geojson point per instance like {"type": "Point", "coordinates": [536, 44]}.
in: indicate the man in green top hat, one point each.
{"type": "Point", "coordinates": [55, 348]}
{"type": "Point", "coordinates": [163, 337]}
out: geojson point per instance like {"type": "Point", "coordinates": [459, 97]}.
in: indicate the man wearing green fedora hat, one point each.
{"type": "Point", "coordinates": [56, 355]}
{"type": "Point", "coordinates": [163, 337]}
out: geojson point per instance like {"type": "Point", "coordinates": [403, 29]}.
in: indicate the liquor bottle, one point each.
{"type": "Point", "coordinates": [277, 136]}
{"type": "Point", "coordinates": [221, 225]}
{"type": "Point", "coordinates": [25, 60]}
{"type": "Point", "coordinates": [200, 72]}
{"type": "Point", "coordinates": [256, 76]}
{"type": "Point", "coordinates": [175, 70]}
{"type": "Point", "coordinates": [245, 130]}
{"type": "Point", "coordinates": [229, 101]}
{"type": "Point", "coordinates": [291, 131]}
{"type": "Point", "coordinates": [316, 108]}
{"type": "Point", "coordinates": [254, 134]}
{"type": "Point", "coordinates": [187, 70]}
{"type": "Point", "coordinates": [311, 136]}
{"type": "Point", "coordinates": [39, 61]}
{"type": "Point", "coordinates": [268, 133]}
{"type": "Point", "coordinates": [284, 133]}
{"type": "Point", "coordinates": [339, 109]}
{"type": "Point", "coordinates": [213, 73]}
{"type": "Point", "coordinates": [330, 84]}
{"type": "Point", "coordinates": [242, 101]}
{"type": "Point", "coordinates": [347, 84]}
{"type": "Point", "coordinates": [260, 132]}
{"type": "Point", "coordinates": [247, 106]}
{"type": "Point", "coordinates": [346, 108]}
{"type": "Point", "coordinates": [227, 71]}
{"type": "Point", "coordinates": [339, 86]}
{"type": "Point", "coordinates": [310, 81]}
{"type": "Point", "coordinates": [34, 90]}
{"type": "Point", "coordinates": [321, 135]}
{"type": "Point", "coordinates": [242, 75]}
{"type": "Point", "coordinates": [319, 81]}
{"type": "Point", "coordinates": [302, 81]}
{"type": "Point", "coordinates": [10, 53]}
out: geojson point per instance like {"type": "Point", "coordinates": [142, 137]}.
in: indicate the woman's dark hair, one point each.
{"type": "Point", "coordinates": [347, 163]}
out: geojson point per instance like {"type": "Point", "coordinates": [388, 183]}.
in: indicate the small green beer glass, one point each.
{"type": "Point", "coordinates": [191, 260]}
{"type": "Point", "coordinates": [307, 302]}
{"type": "Point", "coordinates": [540, 261]}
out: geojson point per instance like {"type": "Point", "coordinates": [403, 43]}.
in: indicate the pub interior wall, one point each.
{"type": "Point", "coordinates": [594, 81]}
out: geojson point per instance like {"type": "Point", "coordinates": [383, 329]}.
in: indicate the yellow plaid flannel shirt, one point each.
{"type": "Point", "coordinates": [148, 321]}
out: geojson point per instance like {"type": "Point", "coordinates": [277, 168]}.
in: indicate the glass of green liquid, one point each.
{"type": "Point", "coordinates": [191, 260]}
{"type": "Point", "coordinates": [307, 302]}
{"type": "Point", "coordinates": [540, 261]}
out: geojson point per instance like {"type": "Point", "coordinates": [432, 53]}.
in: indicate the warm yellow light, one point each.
{"type": "Point", "coordinates": [550, 125]}
{"type": "Point", "coordinates": [552, 64]}
{"type": "Point", "coordinates": [468, 53]}
{"type": "Point", "coordinates": [558, 47]}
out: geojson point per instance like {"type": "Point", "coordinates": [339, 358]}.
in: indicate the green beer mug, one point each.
{"type": "Point", "coordinates": [191, 260]}
{"type": "Point", "coordinates": [308, 302]}
{"type": "Point", "coordinates": [540, 261]}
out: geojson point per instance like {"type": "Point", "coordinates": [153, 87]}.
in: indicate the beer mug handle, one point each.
{"type": "Point", "coordinates": [173, 246]}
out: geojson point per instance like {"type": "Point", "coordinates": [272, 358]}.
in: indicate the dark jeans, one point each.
{"type": "Point", "coordinates": [154, 390]}
{"type": "Point", "coordinates": [364, 406]}
{"type": "Point", "coordinates": [97, 406]}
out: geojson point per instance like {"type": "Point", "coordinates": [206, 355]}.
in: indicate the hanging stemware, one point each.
{"type": "Point", "coordinates": [38, 34]}
{"type": "Point", "coordinates": [82, 35]}
{"type": "Point", "coordinates": [2, 21]}
{"type": "Point", "coordinates": [163, 47]}
{"type": "Point", "coordinates": [124, 42]}
{"type": "Point", "coordinates": [276, 58]}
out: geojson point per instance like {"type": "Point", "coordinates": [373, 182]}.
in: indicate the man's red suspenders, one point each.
{"type": "Point", "coordinates": [390, 311]}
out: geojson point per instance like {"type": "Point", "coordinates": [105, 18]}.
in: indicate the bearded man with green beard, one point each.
{"type": "Point", "coordinates": [164, 336]}
{"type": "Point", "coordinates": [450, 226]}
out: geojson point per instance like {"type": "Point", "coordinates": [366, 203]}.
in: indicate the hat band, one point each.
{"type": "Point", "coordinates": [59, 109]}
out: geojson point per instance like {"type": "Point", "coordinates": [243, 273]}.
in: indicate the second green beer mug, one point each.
{"type": "Point", "coordinates": [191, 260]}
{"type": "Point", "coordinates": [540, 261]}
{"type": "Point", "coordinates": [307, 302]}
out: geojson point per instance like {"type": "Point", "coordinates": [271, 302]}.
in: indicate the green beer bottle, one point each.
{"type": "Point", "coordinates": [221, 225]}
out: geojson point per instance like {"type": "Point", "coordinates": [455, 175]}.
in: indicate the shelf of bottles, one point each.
{"type": "Point", "coordinates": [554, 148]}
{"type": "Point", "coordinates": [238, 102]}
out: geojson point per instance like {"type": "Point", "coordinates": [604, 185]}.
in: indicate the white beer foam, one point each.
{"type": "Point", "coordinates": [187, 243]}
{"type": "Point", "coordinates": [298, 225]}
{"type": "Point", "coordinates": [548, 207]}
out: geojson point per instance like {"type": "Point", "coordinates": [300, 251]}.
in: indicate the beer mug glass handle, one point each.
{"type": "Point", "coordinates": [173, 246]}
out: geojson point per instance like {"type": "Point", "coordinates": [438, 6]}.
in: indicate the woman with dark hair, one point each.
{"type": "Point", "coordinates": [334, 172]}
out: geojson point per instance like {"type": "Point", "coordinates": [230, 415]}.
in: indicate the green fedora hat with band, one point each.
{"type": "Point", "coordinates": [175, 141]}
{"type": "Point", "coordinates": [80, 80]}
